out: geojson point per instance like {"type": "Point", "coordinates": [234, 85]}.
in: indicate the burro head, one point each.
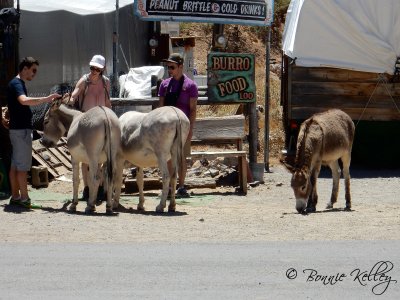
{"type": "Point", "coordinates": [301, 186]}
{"type": "Point", "coordinates": [53, 128]}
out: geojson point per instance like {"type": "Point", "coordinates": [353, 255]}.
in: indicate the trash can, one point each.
{"type": "Point", "coordinates": [257, 170]}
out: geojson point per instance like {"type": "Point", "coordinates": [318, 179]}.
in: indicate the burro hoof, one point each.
{"type": "Point", "coordinates": [347, 208]}
{"type": "Point", "coordinates": [72, 208]}
{"type": "Point", "coordinates": [171, 208]}
{"type": "Point", "coordinates": [329, 206]}
{"type": "Point", "coordinates": [90, 210]}
{"type": "Point", "coordinates": [118, 207]}
{"type": "Point", "coordinates": [309, 210]}
{"type": "Point", "coordinates": [109, 211]}
{"type": "Point", "coordinates": [159, 209]}
{"type": "Point", "coordinates": [141, 208]}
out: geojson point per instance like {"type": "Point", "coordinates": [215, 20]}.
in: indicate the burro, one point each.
{"type": "Point", "coordinates": [231, 63]}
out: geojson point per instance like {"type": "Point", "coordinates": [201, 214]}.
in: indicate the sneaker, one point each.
{"type": "Point", "coordinates": [85, 193]}
{"type": "Point", "coordinates": [182, 193]}
{"type": "Point", "coordinates": [24, 203]}
{"type": "Point", "coordinates": [28, 204]}
{"type": "Point", "coordinates": [14, 201]}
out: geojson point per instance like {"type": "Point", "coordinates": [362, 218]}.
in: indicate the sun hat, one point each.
{"type": "Point", "coordinates": [98, 61]}
{"type": "Point", "coordinates": [175, 58]}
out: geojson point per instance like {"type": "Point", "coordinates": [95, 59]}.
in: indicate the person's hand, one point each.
{"type": "Point", "coordinates": [52, 97]}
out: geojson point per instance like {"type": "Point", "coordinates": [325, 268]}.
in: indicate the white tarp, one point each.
{"type": "Point", "coordinates": [362, 35]}
{"type": "Point", "coordinates": [137, 83]}
{"type": "Point", "coordinates": [81, 7]}
{"type": "Point", "coordinates": [64, 42]}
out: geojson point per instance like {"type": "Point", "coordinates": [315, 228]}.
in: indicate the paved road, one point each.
{"type": "Point", "coordinates": [254, 270]}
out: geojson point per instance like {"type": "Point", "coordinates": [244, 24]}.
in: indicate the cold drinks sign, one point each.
{"type": "Point", "coordinates": [246, 12]}
{"type": "Point", "coordinates": [230, 77]}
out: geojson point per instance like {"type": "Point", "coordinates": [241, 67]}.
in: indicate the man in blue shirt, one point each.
{"type": "Point", "coordinates": [21, 129]}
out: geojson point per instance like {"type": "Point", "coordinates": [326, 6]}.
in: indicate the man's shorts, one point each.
{"type": "Point", "coordinates": [21, 141]}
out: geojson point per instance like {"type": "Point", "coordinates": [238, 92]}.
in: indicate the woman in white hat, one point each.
{"type": "Point", "coordinates": [92, 89]}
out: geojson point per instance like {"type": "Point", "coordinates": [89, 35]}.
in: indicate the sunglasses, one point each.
{"type": "Point", "coordinates": [95, 69]}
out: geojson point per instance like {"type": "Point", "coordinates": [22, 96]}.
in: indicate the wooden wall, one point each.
{"type": "Point", "coordinates": [370, 98]}
{"type": "Point", "coordinates": [362, 95]}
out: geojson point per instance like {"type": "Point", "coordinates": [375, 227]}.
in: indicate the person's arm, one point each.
{"type": "Point", "coordinates": [108, 88]}
{"type": "Point", "coordinates": [79, 87]}
{"type": "Point", "coordinates": [31, 101]}
{"type": "Point", "coordinates": [192, 115]}
{"type": "Point", "coordinates": [161, 101]}
{"type": "Point", "coordinates": [161, 94]}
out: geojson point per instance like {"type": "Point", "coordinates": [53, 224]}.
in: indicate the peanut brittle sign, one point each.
{"type": "Point", "coordinates": [230, 77]}
{"type": "Point", "coordinates": [246, 12]}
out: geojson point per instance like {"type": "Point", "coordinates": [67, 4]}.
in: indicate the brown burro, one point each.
{"type": "Point", "coordinates": [323, 139]}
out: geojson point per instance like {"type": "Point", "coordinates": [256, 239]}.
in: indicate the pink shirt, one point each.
{"type": "Point", "coordinates": [95, 94]}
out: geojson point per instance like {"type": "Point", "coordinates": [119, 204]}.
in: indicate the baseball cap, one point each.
{"type": "Point", "coordinates": [98, 61]}
{"type": "Point", "coordinates": [175, 58]}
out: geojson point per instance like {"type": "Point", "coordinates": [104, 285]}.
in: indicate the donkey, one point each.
{"type": "Point", "coordinates": [94, 137]}
{"type": "Point", "coordinates": [323, 139]}
{"type": "Point", "coordinates": [152, 139]}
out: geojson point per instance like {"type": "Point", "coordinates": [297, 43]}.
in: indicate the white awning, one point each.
{"type": "Point", "coordinates": [360, 35]}
{"type": "Point", "coordinates": [81, 7]}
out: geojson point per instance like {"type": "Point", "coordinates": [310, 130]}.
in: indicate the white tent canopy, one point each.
{"type": "Point", "coordinates": [360, 35]}
{"type": "Point", "coordinates": [81, 7]}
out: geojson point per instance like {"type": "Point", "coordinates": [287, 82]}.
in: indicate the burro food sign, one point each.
{"type": "Point", "coordinates": [230, 77]}
{"type": "Point", "coordinates": [247, 12]}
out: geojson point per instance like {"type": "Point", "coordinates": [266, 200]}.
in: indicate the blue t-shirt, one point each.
{"type": "Point", "coordinates": [20, 115]}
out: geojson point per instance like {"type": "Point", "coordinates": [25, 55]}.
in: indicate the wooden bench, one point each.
{"type": "Point", "coordinates": [219, 131]}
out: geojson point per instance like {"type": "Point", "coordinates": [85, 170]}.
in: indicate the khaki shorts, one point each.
{"type": "Point", "coordinates": [21, 141]}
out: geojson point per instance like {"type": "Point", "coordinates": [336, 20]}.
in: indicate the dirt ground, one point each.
{"type": "Point", "coordinates": [267, 213]}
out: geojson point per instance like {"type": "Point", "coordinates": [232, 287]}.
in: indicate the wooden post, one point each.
{"type": "Point", "coordinates": [253, 132]}
{"type": "Point", "coordinates": [267, 100]}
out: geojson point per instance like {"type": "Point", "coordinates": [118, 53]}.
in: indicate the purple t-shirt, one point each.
{"type": "Point", "coordinates": [189, 90]}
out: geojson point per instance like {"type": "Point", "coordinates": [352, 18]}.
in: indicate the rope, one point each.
{"type": "Point", "coordinates": [381, 79]}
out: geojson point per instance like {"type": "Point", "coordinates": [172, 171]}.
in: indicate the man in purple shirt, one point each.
{"type": "Point", "coordinates": [180, 91]}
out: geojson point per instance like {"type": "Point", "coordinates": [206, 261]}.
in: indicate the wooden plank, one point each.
{"type": "Point", "coordinates": [321, 74]}
{"type": "Point", "coordinates": [345, 101]}
{"type": "Point", "coordinates": [219, 128]}
{"type": "Point", "coordinates": [56, 163]}
{"type": "Point", "coordinates": [215, 154]}
{"type": "Point", "coordinates": [302, 113]}
{"type": "Point", "coordinates": [344, 88]}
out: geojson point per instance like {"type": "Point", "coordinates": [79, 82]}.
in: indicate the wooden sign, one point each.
{"type": "Point", "coordinates": [246, 12]}
{"type": "Point", "coordinates": [230, 77]}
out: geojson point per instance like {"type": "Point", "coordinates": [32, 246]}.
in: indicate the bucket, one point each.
{"type": "Point", "coordinates": [257, 170]}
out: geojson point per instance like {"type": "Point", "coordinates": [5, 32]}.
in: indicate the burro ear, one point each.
{"type": "Point", "coordinates": [289, 167]}
{"type": "Point", "coordinates": [288, 164]}
{"type": "Point", "coordinates": [56, 103]}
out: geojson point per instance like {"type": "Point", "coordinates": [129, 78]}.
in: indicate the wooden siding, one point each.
{"type": "Point", "coordinates": [362, 95]}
